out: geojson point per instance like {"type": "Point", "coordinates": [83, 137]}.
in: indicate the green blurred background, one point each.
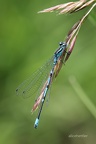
{"type": "Point", "coordinates": [27, 40]}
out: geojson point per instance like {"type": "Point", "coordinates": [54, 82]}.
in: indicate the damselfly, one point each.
{"type": "Point", "coordinates": [41, 80]}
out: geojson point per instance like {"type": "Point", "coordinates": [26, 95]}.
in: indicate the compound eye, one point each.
{"type": "Point", "coordinates": [64, 44]}
{"type": "Point", "coordinates": [61, 43]}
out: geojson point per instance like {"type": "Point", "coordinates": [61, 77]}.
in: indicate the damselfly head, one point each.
{"type": "Point", "coordinates": [62, 44]}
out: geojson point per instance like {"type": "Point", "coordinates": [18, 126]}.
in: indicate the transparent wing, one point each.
{"type": "Point", "coordinates": [33, 83]}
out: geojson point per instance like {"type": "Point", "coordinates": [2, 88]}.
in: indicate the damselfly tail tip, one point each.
{"type": "Point", "coordinates": [36, 123]}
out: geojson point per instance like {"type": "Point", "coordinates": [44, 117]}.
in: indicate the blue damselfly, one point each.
{"type": "Point", "coordinates": [41, 80]}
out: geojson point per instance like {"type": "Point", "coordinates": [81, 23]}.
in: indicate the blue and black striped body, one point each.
{"type": "Point", "coordinates": [58, 53]}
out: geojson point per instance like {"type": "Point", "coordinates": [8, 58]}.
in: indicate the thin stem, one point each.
{"type": "Point", "coordinates": [76, 31]}
{"type": "Point", "coordinates": [87, 14]}
{"type": "Point", "coordinates": [82, 95]}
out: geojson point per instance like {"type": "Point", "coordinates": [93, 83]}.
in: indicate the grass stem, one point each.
{"type": "Point", "coordinates": [82, 95]}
